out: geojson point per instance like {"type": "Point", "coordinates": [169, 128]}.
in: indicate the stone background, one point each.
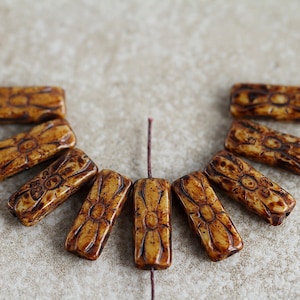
{"type": "Point", "coordinates": [121, 62]}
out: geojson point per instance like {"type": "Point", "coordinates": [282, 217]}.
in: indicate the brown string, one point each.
{"type": "Point", "coordinates": [149, 167]}
{"type": "Point", "coordinates": [149, 148]}
{"type": "Point", "coordinates": [152, 284]}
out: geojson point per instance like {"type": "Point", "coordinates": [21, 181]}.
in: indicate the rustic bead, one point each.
{"type": "Point", "coordinates": [152, 227]}
{"type": "Point", "coordinates": [28, 149]}
{"type": "Point", "coordinates": [207, 216]}
{"type": "Point", "coordinates": [45, 192]}
{"type": "Point", "coordinates": [98, 214]}
{"type": "Point", "coordinates": [249, 187]}
{"type": "Point", "coordinates": [265, 100]}
{"type": "Point", "coordinates": [31, 104]}
{"type": "Point", "coordinates": [265, 145]}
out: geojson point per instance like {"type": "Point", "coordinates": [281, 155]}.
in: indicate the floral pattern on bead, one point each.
{"type": "Point", "coordinates": [152, 208]}
{"type": "Point", "coordinates": [246, 185]}
{"type": "Point", "coordinates": [207, 216]}
{"type": "Point", "coordinates": [51, 187]}
{"type": "Point", "coordinates": [265, 100]}
{"type": "Point", "coordinates": [27, 149]}
{"type": "Point", "coordinates": [92, 226]}
{"type": "Point", "coordinates": [263, 144]}
{"type": "Point", "coordinates": [31, 104]}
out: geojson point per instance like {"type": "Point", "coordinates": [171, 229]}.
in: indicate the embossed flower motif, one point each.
{"type": "Point", "coordinates": [152, 209]}
{"type": "Point", "coordinates": [273, 101]}
{"type": "Point", "coordinates": [250, 187]}
{"type": "Point", "coordinates": [18, 100]}
{"type": "Point", "coordinates": [239, 176]}
{"type": "Point", "coordinates": [48, 181]}
{"type": "Point", "coordinates": [98, 210]}
{"type": "Point", "coordinates": [207, 216]}
{"type": "Point", "coordinates": [30, 148]}
{"type": "Point", "coordinates": [35, 97]}
{"type": "Point", "coordinates": [287, 150]}
{"type": "Point", "coordinates": [278, 99]}
{"type": "Point", "coordinates": [17, 151]}
{"type": "Point", "coordinates": [98, 213]}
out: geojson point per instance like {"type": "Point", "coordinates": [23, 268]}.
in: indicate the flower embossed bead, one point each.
{"type": "Point", "coordinates": [249, 187]}
{"type": "Point", "coordinates": [265, 101]}
{"type": "Point", "coordinates": [152, 227]}
{"type": "Point", "coordinates": [45, 192]}
{"type": "Point", "coordinates": [31, 104]}
{"type": "Point", "coordinates": [28, 149]}
{"type": "Point", "coordinates": [207, 216]}
{"type": "Point", "coordinates": [98, 214]}
{"type": "Point", "coordinates": [263, 144]}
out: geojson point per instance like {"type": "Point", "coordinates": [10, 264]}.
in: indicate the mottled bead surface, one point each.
{"type": "Point", "coordinates": [266, 101]}
{"type": "Point", "coordinates": [251, 188]}
{"type": "Point", "coordinates": [50, 188]}
{"type": "Point", "coordinates": [31, 104]}
{"type": "Point", "coordinates": [100, 210]}
{"type": "Point", "coordinates": [207, 216]}
{"type": "Point", "coordinates": [28, 149]}
{"type": "Point", "coordinates": [152, 223]}
{"type": "Point", "coordinates": [263, 144]}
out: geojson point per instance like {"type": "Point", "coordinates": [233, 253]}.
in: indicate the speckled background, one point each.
{"type": "Point", "coordinates": [121, 62]}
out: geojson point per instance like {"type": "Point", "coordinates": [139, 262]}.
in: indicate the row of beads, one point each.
{"type": "Point", "coordinates": [152, 196]}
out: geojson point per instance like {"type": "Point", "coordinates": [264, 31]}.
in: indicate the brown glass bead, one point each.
{"type": "Point", "coordinates": [265, 101]}
{"type": "Point", "coordinates": [45, 192]}
{"type": "Point", "coordinates": [265, 145]}
{"type": "Point", "coordinates": [28, 149]}
{"type": "Point", "coordinates": [98, 214]}
{"type": "Point", "coordinates": [152, 224]}
{"type": "Point", "coordinates": [207, 216]}
{"type": "Point", "coordinates": [249, 187]}
{"type": "Point", "coordinates": [31, 104]}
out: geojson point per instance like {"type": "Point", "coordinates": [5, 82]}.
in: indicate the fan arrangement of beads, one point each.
{"type": "Point", "coordinates": [152, 196]}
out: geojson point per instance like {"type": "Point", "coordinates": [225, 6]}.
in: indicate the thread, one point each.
{"type": "Point", "coordinates": [149, 168]}
{"type": "Point", "coordinates": [152, 284]}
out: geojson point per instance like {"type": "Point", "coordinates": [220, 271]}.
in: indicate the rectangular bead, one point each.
{"type": "Point", "coordinates": [251, 188]}
{"type": "Point", "coordinates": [207, 216]}
{"type": "Point", "coordinates": [45, 192]}
{"type": "Point", "coordinates": [31, 104]}
{"type": "Point", "coordinates": [265, 145]}
{"type": "Point", "coordinates": [28, 149]}
{"type": "Point", "coordinates": [265, 100]}
{"type": "Point", "coordinates": [92, 227]}
{"type": "Point", "coordinates": [152, 224]}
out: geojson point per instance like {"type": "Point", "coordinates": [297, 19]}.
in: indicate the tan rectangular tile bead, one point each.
{"type": "Point", "coordinates": [98, 214]}
{"type": "Point", "coordinates": [265, 145]}
{"type": "Point", "coordinates": [45, 192]}
{"type": "Point", "coordinates": [28, 149]}
{"type": "Point", "coordinates": [251, 188]}
{"type": "Point", "coordinates": [207, 216]}
{"type": "Point", "coordinates": [265, 101]}
{"type": "Point", "coordinates": [31, 104]}
{"type": "Point", "coordinates": [152, 224]}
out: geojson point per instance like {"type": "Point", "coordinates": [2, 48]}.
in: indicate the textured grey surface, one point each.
{"type": "Point", "coordinates": [119, 63]}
